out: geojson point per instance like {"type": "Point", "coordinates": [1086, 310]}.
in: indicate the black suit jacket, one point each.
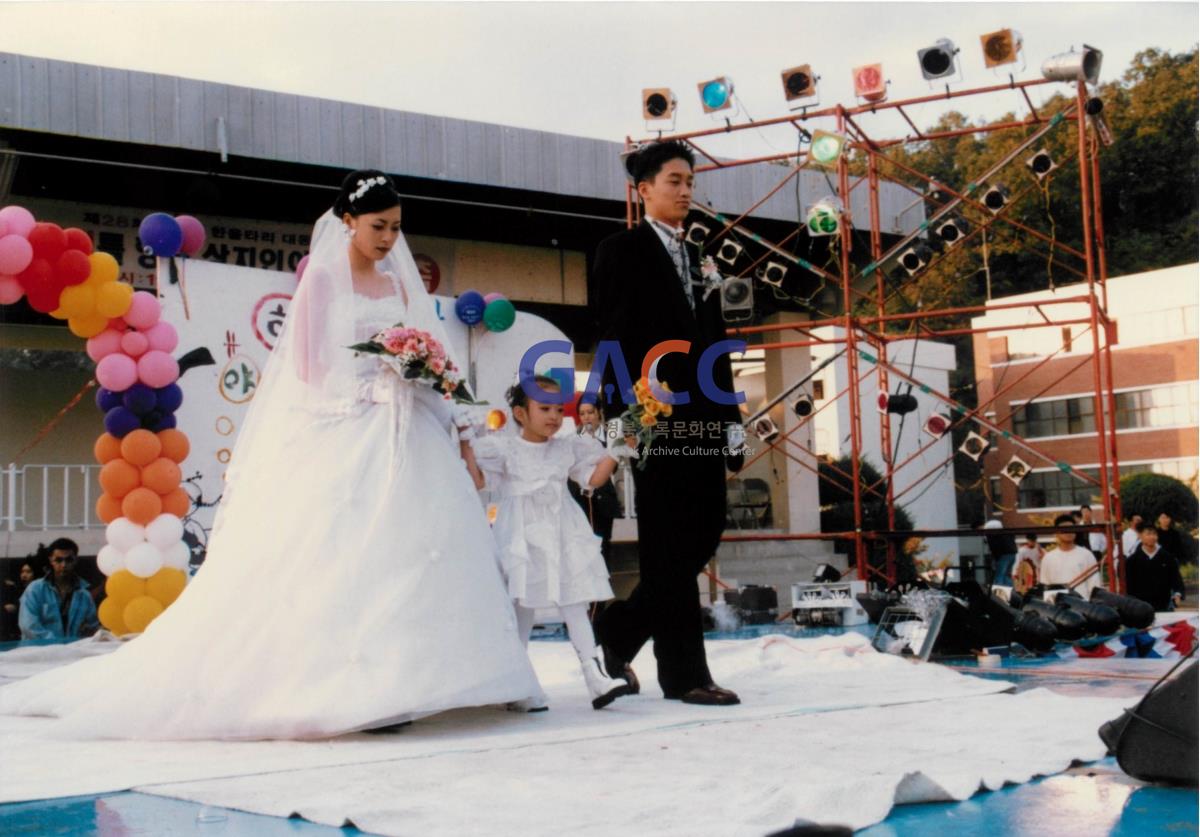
{"type": "Point", "coordinates": [638, 301]}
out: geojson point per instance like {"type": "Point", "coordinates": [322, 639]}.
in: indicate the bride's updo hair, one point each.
{"type": "Point", "coordinates": [366, 190]}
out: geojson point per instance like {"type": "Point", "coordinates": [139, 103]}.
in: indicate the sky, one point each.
{"type": "Point", "coordinates": [579, 67]}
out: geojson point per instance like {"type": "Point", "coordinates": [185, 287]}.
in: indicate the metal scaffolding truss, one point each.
{"type": "Point", "coordinates": [866, 327]}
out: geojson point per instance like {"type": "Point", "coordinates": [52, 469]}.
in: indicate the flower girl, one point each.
{"type": "Point", "coordinates": [549, 553]}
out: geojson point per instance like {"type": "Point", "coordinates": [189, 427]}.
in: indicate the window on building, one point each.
{"type": "Point", "coordinates": [1165, 406]}
{"type": "Point", "coordinates": [818, 390]}
{"type": "Point", "coordinates": [1055, 489]}
{"type": "Point", "coordinates": [1061, 417]}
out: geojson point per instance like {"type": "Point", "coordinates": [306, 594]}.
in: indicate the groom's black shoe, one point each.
{"type": "Point", "coordinates": [710, 695]}
{"type": "Point", "coordinates": [616, 667]}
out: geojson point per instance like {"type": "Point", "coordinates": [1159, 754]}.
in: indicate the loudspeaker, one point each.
{"type": "Point", "coordinates": [1134, 613]}
{"type": "Point", "coordinates": [1156, 740]}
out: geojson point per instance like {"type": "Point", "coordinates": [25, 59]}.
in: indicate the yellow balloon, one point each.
{"type": "Point", "coordinates": [110, 613]}
{"type": "Point", "coordinates": [87, 326]}
{"type": "Point", "coordinates": [104, 269]}
{"type": "Point", "coordinates": [140, 612]}
{"type": "Point", "coordinates": [113, 298]}
{"type": "Point", "coordinates": [166, 585]}
{"type": "Point", "coordinates": [124, 586]}
{"type": "Point", "coordinates": [77, 301]}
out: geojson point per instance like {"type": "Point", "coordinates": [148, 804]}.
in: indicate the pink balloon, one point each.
{"type": "Point", "coordinates": [163, 336]}
{"type": "Point", "coordinates": [10, 290]}
{"type": "Point", "coordinates": [117, 372]}
{"type": "Point", "coordinates": [18, 219]}
{"type": "Point", "coordinates": [118, 325]}
{"type": "Point", "coordinates": [3, 228]}
{"type": "Point", "coordinates": [301, 267]}
{"type": "Point", "coordinates": [16, 253]}
{"type": "Point", "coordinates": [134, 343]}
{"type": "Point", "coordinates": [492, 296]}
{"type": "Point", "coordinates": [157, 369]}
{"type": "Point", "coordinates": [193, 234]}
{"type": "Point", "coordinates": [103, 344]}
{"type": "Point", "coordinates": [144, 311]}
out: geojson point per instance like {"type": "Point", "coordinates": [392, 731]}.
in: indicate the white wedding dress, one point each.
{"type": "Point", "coordinates": [351, 582]}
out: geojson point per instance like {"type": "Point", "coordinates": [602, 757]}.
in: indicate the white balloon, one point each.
{"type": "Point", "coordinates": [177, 555]}
{"type": "Point", "coordinates": [144, 560]}
{"type": "Point", "coordinates": [110, 559]}
{"type": "Point", "coordinates": [164, 530]}
{"type": "Point", "coordinates": [124, 534]}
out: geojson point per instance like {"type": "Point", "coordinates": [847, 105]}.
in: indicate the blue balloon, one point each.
{"type": "Point", "coordinates": [170, 398]}
{"type": "Point", "coordinates": [161, 235]}
{"type": "Point", "coordinates": [469, 307]}
{"type": "Point", "coordinates": [139, 399]}
{"type": "Point", "coordinates": [106, 399]}
{"type": "Point", "coordinates": [120, 422]}
{"type": "Point", "coordinates": [166, 421]}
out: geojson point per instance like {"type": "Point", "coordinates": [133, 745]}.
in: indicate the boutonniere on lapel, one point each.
{"type": "Point", "coordinates": [710, 277]}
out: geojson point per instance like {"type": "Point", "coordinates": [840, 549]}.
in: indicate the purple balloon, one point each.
{"type": "Point", "coordinates": [166, 422]}
{"type": "Point", "coordinates": [469, 307]}
{"type": "Point", "coordinates": [170, 398]}
{"type": "Point", "coordinates": [140, 399]}
{"type": "Point", "coordinates": [193, 234]}
{"type": "Point", "coordinates": [120, 422]}
{"type": "Point", "coordinates": [106, 399]}
{"type": "Point", "coordinates": [161, 234]}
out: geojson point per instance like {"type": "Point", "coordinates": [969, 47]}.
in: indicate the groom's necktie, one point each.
{"type": "Point", "coordinates": [674, 241]}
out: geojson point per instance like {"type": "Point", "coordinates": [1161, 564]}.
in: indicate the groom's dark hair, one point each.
{"type": "Point", "coordinates": [647, 161]}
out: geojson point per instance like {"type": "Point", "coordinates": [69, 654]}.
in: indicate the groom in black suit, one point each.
{"type": "Point", "coordinates": [647, 289]}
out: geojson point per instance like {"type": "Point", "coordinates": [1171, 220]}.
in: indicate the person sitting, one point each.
{"type": "Point", "coordinates": [58, 605]}
{"type": "Point", "coordinates": [1152, 573]}
{"type": "Point", "coordinates": [1069, 565]}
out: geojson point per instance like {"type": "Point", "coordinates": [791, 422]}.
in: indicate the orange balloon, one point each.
{"type": "Point", "coordinates": [107, 448]}
{"type": "Point", "coordinates": [175, 444]}
{"type": "Point", "coordinates": [141, 506]}
{"type": "Point", "coordinates": [161, 476]}
{"type": "Point", "coordinates": [110, 614]}
{"type": "Point", "coordinates": [177, 502]}
{"type": "Point", "coordinates": [118, 478]}
{"type": "Point", "coordinates": [108, 509]}
{"type": "Point", "coordinates": [166, 585]}
{"type": "Point", "coordinates": [141, 612]}
{"type": "Point", "coordinates": [123, 587]}
{"type": "Point", "coordinates": [141, 447]}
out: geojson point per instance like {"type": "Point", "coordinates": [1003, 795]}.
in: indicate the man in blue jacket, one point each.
{"type": "Point", "coordinates": [58, 606]}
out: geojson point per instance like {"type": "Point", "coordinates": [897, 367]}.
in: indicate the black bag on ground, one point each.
{"type": "Point", "coordinates": [1101, 619]}
{"type": "Point", "coordinates": [1156, 740]}
{"type": "Point", "coordinates": [1134, 613]}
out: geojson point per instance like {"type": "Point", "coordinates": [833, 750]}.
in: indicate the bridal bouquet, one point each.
{"type": "Point", "coordinates": [417, 356]}
{"type": "Point", "coordinates": [640, 418]}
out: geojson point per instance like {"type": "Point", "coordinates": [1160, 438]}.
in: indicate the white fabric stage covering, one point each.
{"type": "Point", "coordinates": [811, 741]}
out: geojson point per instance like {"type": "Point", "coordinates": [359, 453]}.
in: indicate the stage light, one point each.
{"type": "Point", "coordinates": [697, 233]}
{"type": "Point", "coordinates": [803, 406]}
{"type": "Point", "coordinates": [936, 425]}
{"type": "Point", "coordinates": [800, 86]}
{"type": "Point", "coordinates": [737, 299]}
{"type": "Point", "coordinates": [1041, 164]}
{"type": "Point", "coordinates": [995, 198]}
{"type": "Point", "coordinates": [1095, 111]}
{"type": "Point", "coordinates": [938, 61]}
{"type": "Point", "coordinates": [895, 403]}
{"type": "Point", "coordinates": [1000, 47]}
{"type": "Point", "coordinates": [937, 194]}
{"type": "Point", "coordinates": [765, 429]}
{"type": "Point", "coordinates": [773, 273]}
{"type": "Point", "coordinates": [1074, 66]}
{"type": "Point", "coordinates": [869, 83]}
{"type": "Point", "coordinates": [826, 148]}
{"type": "Point", "coordinates": [915, 257]}
{"type": "Point", "coordinates": [824, 218]}
{"type": "Point", "coordinates": [717, 94]}
{"type": "Point", "coordinates": [973, 446]}
{"type": "Point", "coordinates": [729, 252]}
{"type": "Point", "coordinates": [951, 231]}
{"type": "Point", "coordinates": [1016, 469]}
{"type": "Point", "coordinates": [658, 104]}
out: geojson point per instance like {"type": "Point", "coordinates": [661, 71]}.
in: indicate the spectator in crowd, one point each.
{"type": "Point", "coordinates": [1152, 573]}
{"type": "Point", "coordinates": [603, 506]}
{"type": "Point", "coordinates": [58, 605]}
{"type": "Point", "coordinates": [1029, 564]}
{"type": "Point", "coordinates": [1131, 537]}
{"type": "Point", "coordinates": [10, 601]}
{"type": "Point", "coordinates": [1097, 541]}
{"type": "Point", "coordinates": [1003, 549]}
{"type": "Point", "coordinates": [1169, 537]}
{"type": "Point", "coordinates": [1069, 565]}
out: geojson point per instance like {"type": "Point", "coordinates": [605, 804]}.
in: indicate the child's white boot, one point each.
{"type": "Point", "coordinates": [603, 688]}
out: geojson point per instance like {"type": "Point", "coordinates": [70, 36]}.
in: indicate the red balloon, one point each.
{"type": "Point", "coordinates": [73, 267]}
{"type": "Point", "coordinates": [48, 241]}
{"type": "Point", "coordinates": [77, 239]}
{"type": "Point", "coordinates": [40, 286]}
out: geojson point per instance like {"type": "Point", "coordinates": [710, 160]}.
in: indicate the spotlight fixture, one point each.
{"type": "Point", "coordinates": [895, 403]}
{"type": "Point", "coordinates": [658, 104]}
{"type": "Point", "coordinates": [826, 148]}
{"type": "Point", "coordinates": [716, 94]}
{"type": "Point", "coordinates": [1000, 47]}
{"type": "Point", "coordinates": [869, 83]}
{"type": "Point", "coordinates": [1074, 66]}
{"type": "Point", "coordinates": [800, 86]}
{"type": "Point", "coordinates": [973, 446]}
{"type": "Point", "coordinates": [824, 218]}
{"type": "Point", "coordinates": [938, 61]}
{"type": "Point", "coordinates": [952, 230]}
{"type": "Point", "coordinates": [936, 194]}
{"type": "Point", "coordinates": [737, 299]}
{"type": "Point", "coordinates": [995, 198]}
{"type": "Point", "coordinates": [1016, 469]}
{"type": "Point", "coordinates": [1041, 164]}
{"type": "Point", "coordinates": [803, 406]}
{"type": "Point", "coordinates": [697, 233]}
{"type": "Point", "coordinates": [1095, 111]}
{"type": "Point", "coordinates": [915, 257]}
{"type": "Point", "coordinates": [773, 273]}
{"type": "Point", "coordinates": [765, 429]}
{"type": "Point", "coordinates": [729, 252]}
{"type": "Point", "coordinates": [936, 425]}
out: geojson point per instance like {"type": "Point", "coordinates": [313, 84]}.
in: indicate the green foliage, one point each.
{"type": "Point", "coordinates": [836, 496]}
{"type": "Point", "coordinates": [1152, 494]}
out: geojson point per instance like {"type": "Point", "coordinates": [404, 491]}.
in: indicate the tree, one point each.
{"type": "Point", "coordinates": [836, 496]}
{"type": "Point", "coordinates": [1150, 495]}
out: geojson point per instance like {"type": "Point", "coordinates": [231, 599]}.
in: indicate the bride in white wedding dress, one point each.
{"type": "Point", "coordinates": [351, 579]}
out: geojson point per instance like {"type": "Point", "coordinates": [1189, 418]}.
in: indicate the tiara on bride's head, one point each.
{"type": "Point", "coordinates": [364, 186]}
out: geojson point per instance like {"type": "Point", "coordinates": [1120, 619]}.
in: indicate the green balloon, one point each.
{"type": "Point", "coordinates": [499, 315]}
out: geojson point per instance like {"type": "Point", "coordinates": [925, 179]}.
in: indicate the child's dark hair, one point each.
{"type": "Point", "coordinates": [647, 162]}
{"type": "Point", "coordinates": [516, 395]}
{"type": "Point", "coordinates": [365, 190]}
{"type": "Point", "coordinates": [1031, 538]}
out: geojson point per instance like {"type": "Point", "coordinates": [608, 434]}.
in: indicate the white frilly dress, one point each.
{"type": "Point", "coordinates": [548, 551]}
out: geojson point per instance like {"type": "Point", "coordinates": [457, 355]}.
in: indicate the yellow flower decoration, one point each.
{"type": "Point", "coordinates": [648, 420]}
{"type": "Point", "coordinates": [664, 410]}
{"type": "Point", "coordinates": [652, 407]}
